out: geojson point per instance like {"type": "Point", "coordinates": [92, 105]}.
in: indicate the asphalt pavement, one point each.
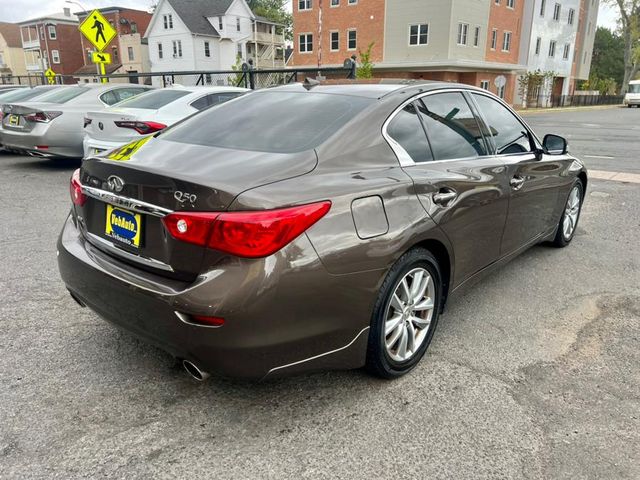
{"type": "Point", "coordinates": [534, 373]}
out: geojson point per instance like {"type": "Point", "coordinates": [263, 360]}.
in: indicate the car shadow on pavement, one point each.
{"type": "Point", "coordinates": [52, 164]}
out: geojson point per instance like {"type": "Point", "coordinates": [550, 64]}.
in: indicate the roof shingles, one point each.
{"type": "Point", "coordinates": [194, 13]}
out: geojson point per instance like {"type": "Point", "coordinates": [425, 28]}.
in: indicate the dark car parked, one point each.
{"type": "Point", "coordinates": [313, 227]}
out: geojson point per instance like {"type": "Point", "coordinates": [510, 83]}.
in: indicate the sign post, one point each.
{"type": "Point", "coordinates": [99, 32]}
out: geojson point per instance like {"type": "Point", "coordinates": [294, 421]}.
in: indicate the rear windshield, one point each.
{"type": "Point", "coordinates": [24, 94]}
{"type": "Point", "coordinates": [634, 88]}
{"type": "Point", "coordinates": [63, 95]}
{"type": "Point", "coordinates": [154, 99]}
{"type": "Point", "coordinates": [270, 121]}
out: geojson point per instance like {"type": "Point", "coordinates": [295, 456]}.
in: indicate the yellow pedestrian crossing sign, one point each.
{"type": "Point", "coordinates": [51, 76]}
{"type": "Point", "coordinates": [97, 30]}
{"type": "Point", "coordinates": [99, 57]}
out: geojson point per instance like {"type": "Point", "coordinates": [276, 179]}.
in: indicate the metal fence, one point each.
{"type": "Point", "coordinates": [252, 79]}
{"type": "Point", "coordinates": [584, 100]}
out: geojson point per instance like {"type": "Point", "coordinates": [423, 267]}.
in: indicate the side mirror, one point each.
{"type": "Point", "coordinates": [554, 144]}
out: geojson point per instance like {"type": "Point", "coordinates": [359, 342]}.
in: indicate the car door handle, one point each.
{"type": "Point", "coordinates": [516, 182]}
{"type": "Point", "coordinates": [444, 196]}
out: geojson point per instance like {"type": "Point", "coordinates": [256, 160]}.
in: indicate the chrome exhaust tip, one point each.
{"type": "Point", "coordinates": [193, 370]}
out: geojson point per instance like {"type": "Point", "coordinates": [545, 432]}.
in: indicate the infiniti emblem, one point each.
{"type": "Point", "coordinates": [100, 126]}
{"type": "Point", "coordinates": [115, 184]}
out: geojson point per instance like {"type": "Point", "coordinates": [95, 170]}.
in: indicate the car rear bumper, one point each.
{"type": "Point", "coordinates": [57, 145]}
{"type": "Point", "coordinates": [92, 146]}
{"type": "Point", "coordinates": [284, 314]}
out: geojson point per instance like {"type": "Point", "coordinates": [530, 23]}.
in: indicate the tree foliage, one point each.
{"type": "Point", "coordinates": [629, 22]}
{"type": "Point", "coordinates": [274, 10]}
{"type": "Point", "coordinates": [531, 85]}
{"type": "Point", "coordinates": [608, 55]}
{"type": "Point", "coordinates": [365, 69]}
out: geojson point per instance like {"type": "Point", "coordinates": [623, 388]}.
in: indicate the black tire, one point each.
{"type": "Point", "coordinates": [379, 362]}
{"type": "Point", "coordinates": [560, 240]}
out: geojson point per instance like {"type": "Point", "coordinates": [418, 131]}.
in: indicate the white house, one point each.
{"type": "Point", "coordinates": [206, 35]}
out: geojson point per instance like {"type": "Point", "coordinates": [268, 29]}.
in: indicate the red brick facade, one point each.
{"type": "Point", "coordinates": [503, 18]}
{"type": "Point", "coordinates": [66, 43]}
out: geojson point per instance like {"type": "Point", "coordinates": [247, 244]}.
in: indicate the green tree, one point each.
{"type": "Point", "coordinates": [630, 31]}
{"type": "Point", "coordinates": [365, 69]}
{"type": "Point", "coordinates": [274, 10]}
{"type": "Point", "coordinates": [608, 56]}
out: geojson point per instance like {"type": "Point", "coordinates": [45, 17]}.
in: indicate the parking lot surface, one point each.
{"type": "Point", "coordinates": [534, 373]}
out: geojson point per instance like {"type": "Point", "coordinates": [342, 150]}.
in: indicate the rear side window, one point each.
{"type": "Point", "coordinates": [126, 93]}
{"type": "Point", "coordinates": [63, 95]}
{"type": "Point", "coordinates": [405, 128]}
{"type": "Point", "coordinates": [109, 97]}
{"type": "Point", "coordinates": [213, 99]}
{"type": "Point", "coordinates": [509, 135]}
{"type": "Point", "coordinates": [270, 121]}
{"type": "Point", "coordinates": [155, 99]}
{"type": "Point", "coordinates": [452, 128]}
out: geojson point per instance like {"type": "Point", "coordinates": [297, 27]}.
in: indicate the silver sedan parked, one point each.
{"type": "Point", "coordinates": [52, 126]}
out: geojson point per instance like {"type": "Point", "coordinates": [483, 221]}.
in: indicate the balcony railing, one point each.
{"type": "Point", "coordinates": [34, 67]}
{"type": "Point", "coordinates": [264, 37]}
{"type": "Point", "coordinates": [31, 43]}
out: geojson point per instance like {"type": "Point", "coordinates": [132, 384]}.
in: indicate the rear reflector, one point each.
{"type": "Point", "coordinates": [75, 189]}
{"type": "Point", "coordinates": [142, 127]}
{"type": "Point", "coordinates": [245, 234]}
{"type": "Point", "coordinates": [214, 321]}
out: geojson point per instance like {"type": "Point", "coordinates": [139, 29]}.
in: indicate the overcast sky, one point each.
{"type": "Point", "coordinates": [10, 12]}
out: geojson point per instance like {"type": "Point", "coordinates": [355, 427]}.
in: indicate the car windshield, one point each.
{"type": "Point", "coordinates": [270, 121]}
{"type": "Point", "coordinates": [634, 88]}
{"type": "Point", "coordinates": [153, 100]}
{"type": "Point", "coordinates": [24, 94]}
{"type": "Point", "coordinates": [63, 95]}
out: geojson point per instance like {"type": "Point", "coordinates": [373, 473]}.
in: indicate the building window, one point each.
{"type": "Point", "coordinates": [335, 41]}
{"type": "Point", "coordinates": [352, 39]}
{"type": "Point", "coordinates": [134, 27]}
{"type": "Point", "coordinates": [572, 12]}
{"type": "Point", "coordinates": [538, 44]}
{"type": "Point", "coordinates": [237, 24]}
{"type": "Point", "coordinates": [160, 50]}
{"type": "Point", "coordinates": [352, 2]}
{"type": "Point", "coordinates": [130, 53]}
{"type": "Point", "coordinates": [168, 21]}
{"type": "Point", "coordinates": [305, 42]}
{"type": "Point", "coordinates": [511, 3]}
{"type": "Point", "coordinates": [494, 39]}
{"type": "Point", "coordinates": [207, 51]}
{"type": "Point", "coordinates": [220, 23]}
{"type": "Point", "coordinates": [115, 53]}
{"type": "Point", "coordinates": [552, 48]}
{"type": "Point", "coordinates": [41, 32]}
{"type": "Point", "coordinates": [304, 5]}
{"type": "Point", "coordinates": [52, 32]}
{"type": "Point", "coordinates": [177, 49]}
{"type": "Point", "coordinates": [497, 2]}
{"type": "Point", "coordinates": [55, 56]}
{"type": "Point", "coordinates": [484, 84]}
{"type": "Point", "coordinates": [506, 42]}
{"type": "Point", "coordinates": [556, 12]}
{"type": "Point", "coordinates": [239, 50]}
{"type": "Point", "coordinates": [335, 3]}
{"type": "Point", "coordinates": [419, 34]}
{"type": "Point", "coordinates": [567, 49]}
{"type": "Point", "coordinates": [543, 4]}
{"type": "Point", "coordinates": [500, 91]}
{"type": "Point", "coordinates": [476, 37]}
{"type": "Point", "coordinates": [463, 30]}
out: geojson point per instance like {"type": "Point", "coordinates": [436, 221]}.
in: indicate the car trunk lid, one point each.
{"type": "Point", "coordinates": [103, 124]}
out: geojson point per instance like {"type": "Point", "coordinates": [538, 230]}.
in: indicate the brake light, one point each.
{"type": "Point", "coordinates": [75, 189]}
{"type": "Point", "coordinates": [42, 117]}
{"type": "Point", "coordinates": [245, 234]}
{"type": "Point", "coordinates": [87, 121]}
{"type": "Point", "coordinates": [141, 127]}
{"type": "Point", "coordinates": [205, 320]}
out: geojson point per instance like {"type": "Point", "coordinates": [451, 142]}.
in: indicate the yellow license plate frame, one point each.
{"type": "Point", "coordinates": [123, 226]}
{"type": "Point", "coordinates": [14, 120]}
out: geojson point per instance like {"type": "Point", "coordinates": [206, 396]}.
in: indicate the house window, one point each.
{"type": "Point", "coordinates": [115, 53]}
{"type": "Point", "coordinates": [207, 51]}
{"type": "Point", "coordinates": [304, 5]}
{"type": "Point", "coordinates": [177, 49]}
{"type": "Point", "coordinates": [543, 4]}
{"type": "Point", "coordinates": [497, 2]}
{"type": "Point", "coordinates": [484, 84]}
{"type": "Point", "coordinates": [500, 91]}
{"type": "Point", "coordinates": [220, 23]}
{"type": "Point", "coordinates": [511, 3]}
{"type": "Point", "coordinates": [506, 42]}
{"type": "Point", "coordinates": [239, 50]}
{"type": "Point", "coordinates": [168, 21]}
{"type": "Point", "coordinates": [335, 3]}
{"type": "Point", "coordinates": [52, 32]}
{"type": "Point", "coordinates": [130, 53]}
{"type": "Point", "coordinates": [556, 12]}
{"type": "Point", "coordinates": [476, 37]}
{"type": "Point", "coordinates": [134, 27]}
{"type": "Point", "coordinates": [567, 49]}
{"type": "Point", "coordinates": [159, 50]}
{"type": "Point", "coordinates": [463, 30]}
{"type": "Point", "coordinates": [41, 32]}
{"type": "Point", "coordinates": [352, 2]}
{"type": "Point", "coordinates": [538, 44]}
{"type": "Point", "coordinates": [335, 41]}
{"type": "Point", "coordinates": [494, 39]}
{"type": "Point", "coordinates": [237, 24]}
{"type": "Point", "coordinates": [352, 39]}
{"type": "Point", "coordinates": [552, 48]}
{"type": "Point", "coordinates": [305, 42]}
{"type": "Point", "coordinates": [419, 34]}
{"type": "Point", "coordinates": [55, 56]}
{"type": "Point", "coordinates": [572, 12]}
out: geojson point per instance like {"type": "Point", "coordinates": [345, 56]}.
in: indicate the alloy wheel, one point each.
{"type": "Point", "coordinates": [571, 212]}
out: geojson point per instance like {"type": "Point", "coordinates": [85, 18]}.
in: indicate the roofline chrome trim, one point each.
{"type": "Point", "coordinates": [100, 242]}
{"type": "Point", "coordinates": [130, 203]}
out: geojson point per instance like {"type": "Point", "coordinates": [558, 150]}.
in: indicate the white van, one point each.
{"type": "Point", "coordinates": [633, 94]}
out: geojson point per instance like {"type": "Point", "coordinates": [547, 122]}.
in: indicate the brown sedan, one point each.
{"type": "Point", "coordinates": [313, 227]}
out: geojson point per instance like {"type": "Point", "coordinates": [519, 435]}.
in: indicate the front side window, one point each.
{"type": "Point", "coordinates": [52, 32]}
{"type": "Point", "coordinates": [419, 34]}
{"type": "Point", "coordinates": [452, 129]}
{"type": "Point", "coordinates": [509, 135]}
{"type": "Point", "coordinates": [406, 130]}
{"type": "Point", "coordinates": [352, 40]}
{"type": "Point", "coordinates": [463, 31]}
{"type": "Point", "coordinates": [305, 43]}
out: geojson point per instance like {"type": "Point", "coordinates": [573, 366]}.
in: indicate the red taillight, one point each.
{"type": "Point", "coordinates": [42, 117]}
{"type": "Point", "coordinates": [245, 234]}
{"type": "Point", "coordinates": [142, 127]}
{"type": "Point", "coordinates": [75, 189]}
{"type": "Point", "coordinates": [213, 321]}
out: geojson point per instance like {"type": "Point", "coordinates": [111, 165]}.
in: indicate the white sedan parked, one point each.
{"type": "Point", "coordinates": [150, 112]}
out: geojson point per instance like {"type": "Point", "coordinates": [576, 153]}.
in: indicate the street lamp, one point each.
{"type": "Point", "coordinates": [77, 3]}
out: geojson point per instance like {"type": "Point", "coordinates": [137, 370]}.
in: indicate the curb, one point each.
{"type": "Point", "coordinates": [526, 111]}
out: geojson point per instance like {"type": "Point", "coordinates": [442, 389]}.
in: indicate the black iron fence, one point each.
{"type": "Point", "coordinates": [584, 100]}
{"type": "Point", "coordinates": [252, 79]}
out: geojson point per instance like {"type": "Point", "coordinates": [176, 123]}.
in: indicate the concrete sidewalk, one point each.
{"type": "Point", "coordinates": [526, 111]}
